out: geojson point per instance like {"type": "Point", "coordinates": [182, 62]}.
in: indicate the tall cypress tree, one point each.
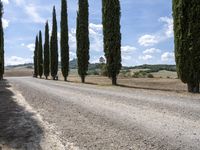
{"type": "Point", "coordinates": [82, 36]}
{"type": "Point", "coordinates": [54, 47]}
{"type": "Point", "coordinates": [1, 43]}
{"type": "Point", "coordinates": [64, 41]}
{"type": "Point", "coordinates": [46, 52]}
{"type": "Point", "coordinates": [36, 57]}
{"type": "Point", "coordinates": [112, 37]}
{"type": "Point", "coordinates": [186, 32]}
{"type": "Point", "coordinates": [40, 56]}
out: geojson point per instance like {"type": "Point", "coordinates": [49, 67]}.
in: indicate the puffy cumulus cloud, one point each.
{"type": "Point", "coordinates": [165, 33]}
{"type": "Point", "coordinates": [145, 57]}
{"type": "Point", "coordinates": [128, 49]}
{"type": "Point", "coordinates": [167, 56]}
{"type": "Point", "coordinates": [6, 1]}
{"type": "Point", "coordinates": [148, 40]}
{"type": "Point", "coordinates": [151, 51]}
{"type": "Point", "coordinates": [5, 23]}
{"type": "Point", "coordinates": [15, 60]}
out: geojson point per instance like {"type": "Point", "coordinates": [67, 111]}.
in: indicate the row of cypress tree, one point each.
{"type": "Point", "coordinates": [1, 42]}
{"type": "Point", "coordinates": [46, 57]}
{"type": "Point", "coordinates": [112, 42]}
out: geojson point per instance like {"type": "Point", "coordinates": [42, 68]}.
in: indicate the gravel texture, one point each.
{"type": "Point", "coordinates": [105, 117]}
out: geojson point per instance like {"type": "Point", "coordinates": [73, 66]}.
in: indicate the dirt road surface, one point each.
{"type": "Point", "coordinates": [114, 118]}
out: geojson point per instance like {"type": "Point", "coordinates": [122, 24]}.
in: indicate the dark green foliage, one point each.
{"type": "Point", "coordinates": [82, 36]}
{"type": "Point", "coordinates": [46, 52]}
{"type": "Point", "coordinates": [54, 47]}
{"type": "Point", "coordinates": [64, 41]}
{"type": "Point", "coordinates": [1, 42]}
{"type": "Point", "coordinates": [187, 43]}
{"type": "Point", "coordinates": [112, 37]}
{"type": "Point", "coordinates": [40, 56]}
{"type": "Point", "coordinates": [36, 58]}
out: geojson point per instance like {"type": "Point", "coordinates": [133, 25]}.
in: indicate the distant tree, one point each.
{"type": "Point", "coordinates": [102, 66]}
{"type": "Point", "coordinates": [46, 52]}
{"type": "Point", "coordinates": [82, 36]}
{"type": "Point", "coordinates": [102, 60]}
{"type": "Point", "coordinates": [1, 43]}
{"type": "Point", "coordinates": [54, 47]}
{"type": "Point", "coordinates": [112, 37]}
{"type": "Point", "coordinates": [40, 56]}
{"type": "Point", "coordinates": [64, 41]}
{"type": "Point", "coordinates": [36, 58]}
{"type": "Point", "coordinates": [186, 16]}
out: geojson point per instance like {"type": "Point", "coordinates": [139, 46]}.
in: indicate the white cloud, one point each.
{"type": "Point", "coordinates": [124, 57]}
{"type": "Point", "coordinates": [148, 40]}
{"type": "Point", "coordinates": [128, 49]}
{"type": "Point", "coordinates": [98, 27]}
{"type": "Point", "coordinates": [151, 51]}
{"type": "Point", "coordinates": [168, 27]}
{"type": "Point", "coordinates": [145, 57]}
{"type": "Point", "coordinates": [15, 60]}
{"type": "Point", "coordinates": [165, 33]}
{"type": "Point", "coordinates": [5, 1]}
{"type": "Point", "coordinates": [167, 56]}
{"type": "Point", "coordinates": [31, 47]}
{"type": "Point", "coordinates": [96, 37]}
{"type": "Point", "coordinates": [31, 10]}
{"type": "Point", "coordinates": [5, 23]}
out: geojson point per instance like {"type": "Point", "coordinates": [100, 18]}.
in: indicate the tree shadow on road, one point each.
{"type": "Point", "coordinates": [18, 128]}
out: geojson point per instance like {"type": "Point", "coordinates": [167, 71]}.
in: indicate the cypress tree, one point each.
{"type": "Point", "coordinates": [40, 56]}
{"type": "Point", "coordinates": [46, 52]}
{"type": "Point", "coordinates": [186, 16]}
{"type": "Point", "coordinates": [36, 58]}
{"type": "Point", "coordinates": [1, 43]}
{"type": "Point", "coordinates": [112, 37]}
{"type": "Point", "coordinates": [64, 41]}
{"type": "Point", "coordinates": [82, 36]}
{"type": "Point", "coordinates": [54, 47]}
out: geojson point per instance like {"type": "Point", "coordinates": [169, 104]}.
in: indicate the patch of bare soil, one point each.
{"type": "Point", "coordinates": [20, 127]}
{"type": "Point", "coordinates": [18, 72]}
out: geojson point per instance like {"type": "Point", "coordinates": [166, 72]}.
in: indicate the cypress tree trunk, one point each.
{"type": "Point", "coordinates": [46, 52]}
{"type": "Point", "coordinates": [64, 41]}
{"type": "Point", "coordinates": [186, 16]}
{"type": "Point", "coordinates": [82, 36]}
{"type": "Point", "coordinates": [36, 58]}
{"type": "Point", "coordinates": [1, 43]}
{"type": "Point", "coordinates": [112, 37]}
{"type": "Point", "coordinates": [54, 47]}
{"type": "Point", "coordinates": [40, 56]}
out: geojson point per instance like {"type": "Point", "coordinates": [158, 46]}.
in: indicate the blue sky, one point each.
{"type": "Point", "coordinates": [146, 27]}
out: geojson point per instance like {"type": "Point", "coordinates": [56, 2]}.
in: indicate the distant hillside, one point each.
{"type": "Point", "coordinates": [155, 68]}
{"type": "Point", "coordinates": [94, 66]}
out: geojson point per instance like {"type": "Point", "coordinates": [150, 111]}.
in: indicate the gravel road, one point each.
{"type": "Point", "coordinates": [106, 117]}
